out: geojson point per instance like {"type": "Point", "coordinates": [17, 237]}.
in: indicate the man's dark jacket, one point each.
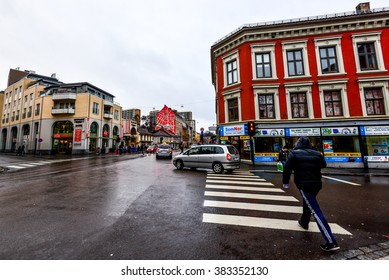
{"type": "Point", "coordinates": [306, 164]}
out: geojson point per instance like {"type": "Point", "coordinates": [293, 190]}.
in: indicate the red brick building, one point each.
{"type": "Point", "coordinates": [325, 77]}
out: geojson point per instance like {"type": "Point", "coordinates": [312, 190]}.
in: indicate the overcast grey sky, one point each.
{"type": "Point", "coordinates": [146, 52]}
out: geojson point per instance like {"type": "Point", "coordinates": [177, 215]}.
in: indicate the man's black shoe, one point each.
{"type": "Point", "coordinates": [302, 225]}
{"type": "Point", "coordinates": [329, 247]}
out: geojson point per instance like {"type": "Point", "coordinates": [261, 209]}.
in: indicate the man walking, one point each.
{"type": "Point", "coordinates": [307, 164]}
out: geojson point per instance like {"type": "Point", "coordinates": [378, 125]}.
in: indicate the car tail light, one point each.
{"type": "Point", "coordinates": [229, 157]}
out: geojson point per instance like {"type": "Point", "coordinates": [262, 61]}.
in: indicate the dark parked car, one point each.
{"type": "Point", "coordinates": [164, 151]}
{"type": "Point", "coordinates": [215, 157]}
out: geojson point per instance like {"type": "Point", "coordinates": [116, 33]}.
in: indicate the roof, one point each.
{"type": "Point", "coordinates": [164, 133]}
{"type": "Point", "coordinates": [79, 84]}
{"type": "Point", "coordinates": [277, 23]}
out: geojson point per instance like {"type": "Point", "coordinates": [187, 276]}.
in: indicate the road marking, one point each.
{"type": "Point", "coordinates": [253, 179]}
{"type": "Point", "coordinates": [255, 189]}
{"type": "Point", "coordinates": [235, 183]}
{"type": "Point", "coordinates": [343, 181]}
{"type": "Point", "coordinates": [250, 196]}
{"type": "Point", "coordinates": [26, 165]}
{"type": "Point", "coordinates": [267, 223]}
{"type": "Point", "coordinates": [253, 206]}
{"type": "Point", "coordinates": [15, 166]}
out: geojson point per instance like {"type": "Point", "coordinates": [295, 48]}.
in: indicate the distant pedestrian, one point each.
{"type": "Point", "coordinates": [307, 164]}
{"type": "Point", "coordinates": [19, 151]}
{"type": "Point", "coordinates": [283, 156]}
{"type": "Point", "coordinates": [22, 151]}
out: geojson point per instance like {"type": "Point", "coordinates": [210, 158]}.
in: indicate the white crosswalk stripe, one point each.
{"type": "Point", "coordinates": [243, 191]}
{"type": "Point", "coordinates": [23, 165]}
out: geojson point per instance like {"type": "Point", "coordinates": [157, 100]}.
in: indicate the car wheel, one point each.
{"type": "Point", "coordinates": [217, 167]}
{"type": "Point", "coordinates": [179, 165]}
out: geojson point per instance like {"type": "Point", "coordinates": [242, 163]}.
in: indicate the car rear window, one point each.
{"type": "Point", "coordinates": [232, 150]}
{"type": "Point", "coordinates": [164, 146]}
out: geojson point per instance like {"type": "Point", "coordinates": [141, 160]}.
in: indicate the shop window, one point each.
{"type": "Point", "coordinates": [233, 109]}
{"type": "Point", "coordinates": [266, 106]}
{"type": "Point", "coordinates": [298, 102]}
{"type": "Point", "coordinates": [333, 103]}
{"type": "Point", "coordinates": [374, 101]}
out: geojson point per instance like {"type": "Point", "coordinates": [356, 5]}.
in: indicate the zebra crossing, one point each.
{"type": "Point", "coordinates": [245, 191]}
{"type": "Point", "coordinates": [23, 165]}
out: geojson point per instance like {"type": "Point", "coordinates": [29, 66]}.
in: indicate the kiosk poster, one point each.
{"type": "Point", "coordinates": [328, 146]}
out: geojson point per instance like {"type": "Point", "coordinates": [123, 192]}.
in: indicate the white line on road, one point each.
{"type": "Point", "coordinates": [252, 179]}
{"type": "Point", "coordinates": [15, 166]}
{"type": "Point", "coordinates": [255, 189]}
{"type": "Point", "coordinates": [266, 223]}
{"type": "Point", "coordinates": [236, 182]}
{"type": "Point", "coordinates": [253, 206]}
{"type": "Point", "coordinates": [343, 181]}
{"type": "Point", "coordinates": [250, 196]}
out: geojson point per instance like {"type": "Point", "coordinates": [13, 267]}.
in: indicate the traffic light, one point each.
{"type": "Point", "coordinates": [251, 128]}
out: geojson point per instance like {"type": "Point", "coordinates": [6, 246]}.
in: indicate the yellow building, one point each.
{"type": "Point", "coordinates": [47, 116]}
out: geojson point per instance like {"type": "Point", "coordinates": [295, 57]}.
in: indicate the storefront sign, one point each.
{"type": "Point", "coordinates": [77, 135]}
{"type": "Point", "coordinates": [374, 130]}
{"type": "Point", "coordinates": [235, 130]}
{"type": "Point", "coordinates": [265, 159]}
{"type": "Point", "coordinates": [223, 138]}
{"type": "Point", "coordinates": [343, 159]}
{"type": "Point", "coordinates": [339, 131]}
{"type": "Point", "coordinates": [271, 132]}
{"type": "Point", "coordinates": [290, 132]}
{"type": "Point", "coordinates": [87, 128]}
{"type": "Point", "coordinates": [244, 137]}
{"type": "Point", "coordinates": [377, 158]}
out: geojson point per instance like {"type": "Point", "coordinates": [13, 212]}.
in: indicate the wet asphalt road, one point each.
{"type": "Point", "coordinates": [143, 208]}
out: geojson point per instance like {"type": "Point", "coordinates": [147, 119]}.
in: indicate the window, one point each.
{"type": "Point", "coordinates": [295, 63]}
{"type": "Point", "coordinates": [328, 60]}
{"type": "Point", "coordinates": [367, 56]}
{"type": "Point", "coordinates": [116, 115]}
{"type": "Point", "coordinates": [333, 103]}
{"type": "Point", "coordinates": [231, 69]}
{"type": "Point", "coordinates": [263, 61]}
{"type": "Point", "coordinates": [233, 109]}
{"type": "Point", "coordinates": [232, 72]}
{"type": "Point", "coordinates": [37, 109]}
{"type": "Point", "coordinates": [368, 52]}
{"type": "Point", "coordinates": [298, 102]}
{"type": "Point", "coordinates": [374, 100]}
{"type": "Point", "coordinates": [263, 65]}
{"type": "Point", "coordinates": [266, 106]}
{"type": "Point", "coordinates": [95, 108]}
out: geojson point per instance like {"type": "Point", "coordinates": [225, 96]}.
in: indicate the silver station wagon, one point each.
{"type": "Point", "coordinates": [215, 157]}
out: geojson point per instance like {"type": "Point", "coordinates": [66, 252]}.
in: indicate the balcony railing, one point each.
{"type": "Point", "coordinates": [108, 103]}
{"type": "Point", "coordinates": [107, 116]}
{"type": "Point", "coordinates": [55, 111]}
{"type": "Point", "coordinates": [64, 96]}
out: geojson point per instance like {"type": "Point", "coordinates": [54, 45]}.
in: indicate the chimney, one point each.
{"type": "Point", "coordinates": [363, 8]}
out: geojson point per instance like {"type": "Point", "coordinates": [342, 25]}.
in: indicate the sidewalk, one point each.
{"type": "Point", "coordinates": [325, 171]}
